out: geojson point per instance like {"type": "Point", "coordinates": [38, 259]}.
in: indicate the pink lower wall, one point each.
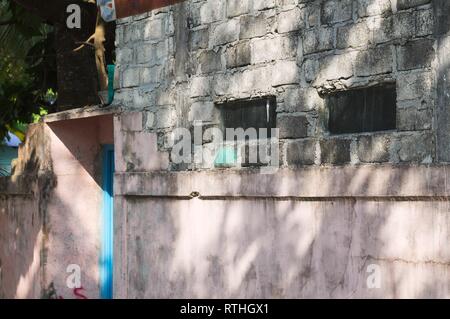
{"type": "Point", "coordinates": [59, 224]}
{"type": "Point", "coordinates": [22, 219]}
{"type": "Point", "coordinates": [76, 203]}
{"type": "Point", "coordinates": [310, 232]}
{"type": "Point", "coordinates": [318, 232]}
{"type": "Point", "coordinates": [269, 248]}
{"type": "Point", "coordinates": [20, 244]}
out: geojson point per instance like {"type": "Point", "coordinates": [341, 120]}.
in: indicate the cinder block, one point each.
{"type": "Point", "coordinates": [199, 39]}
{"type": "Point", "coordinates": [413, 119]}
{"type": "Point", "coordinates": [335, 151]}
{"type": "Point", "coordinates": [302, 152]}
{"type": "Point", "coordinates": [292, 20]}
{"type": "Point", "coordinates": [130, 77]}
{"type": "Point", "coordinates": [301, 100]}
{"type": "Point", "coordinates": [411, 86]}
{"type": "Point", "coordinates": [406, 4]}
{"type": "Point", "coordinates": [271, 49]}
{"type": "Point", "coordinates": [200, 86]}
{"type": "Point", "coordinates": [354, 36]}
{"type": "Point", "coordinates": [212, 11]}
{"type": "Point", "coordinates": [209, 61]}
{"type": "Point", "coordinates": [237, 8]}
{"type": "Point", "coordinates": [373, 148]}
{"type": "Point", "coordinates": [367, 8]}
{"type": "Point", "coordinates": [334, 67]}
{"type": "Point", "coordinates": [152, 29]}
{"type": "Point", "coordinates": [334, 11]}
{"type": "Point", "coordinates": [415, 54]}
{"type": "Point", "coordinates": [203, 111]}
{"type": "Point", "coordinates": [415, 147]}
{"type": "Point", "coordinates": [292, 126]}
{"type": "Point", "coordinates": [285, 72]}
{"type": "Point", "coordinates": [374, 61]}
{"type": "Point", "coordinates": [253, 26]}
{"type": "Point", "coordinates": [225, 32]}
{"type": "Point", "coordinates": [317, 40]}
{"type": "Point", "coordinates": [238, 55]}
{"type": "Point", "coordinates": [425, 22]}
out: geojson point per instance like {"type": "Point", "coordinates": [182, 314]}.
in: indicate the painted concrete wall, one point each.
{"type": "Point", "coordinates": [339, 203]}
{"type": "Point", "coordinates": [271, 248]}
{"type": "Point", "coordinates": [21, 237]}
{"type": "Point", "coordinates": [302, 232]}
{"type": "Point", "coordinates": [50, 210]}
{"type": "Point", "coordinates": [23, 215]}
{"type": "Point", "coordinates": [76, 202]}
{"type": "Point", "coordinates": [311, 232]}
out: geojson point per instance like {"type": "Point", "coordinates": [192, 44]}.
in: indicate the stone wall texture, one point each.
{"type": "Point", "coordinates": [176, 63]}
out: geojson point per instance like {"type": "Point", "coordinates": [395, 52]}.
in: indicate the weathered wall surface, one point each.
{"type": "Point", "coordinates": [310, 232]}
{"type": "Point", "coordinates": [50, 211]}
{"type": "Point", "coordinates": [299, 235]}
{"type": "Point", "coordinates": [176, 63]}
{"type": "Point", "coordinates": [442, 12]}
{"type": "Point", "coordinates": [313, 228]}
{"type": "Point", "coordinates": [21, 237]}
{"type": "Point", "coordinates": [24, 219]}
{"type": "Point", "coordinates": [76, 202]}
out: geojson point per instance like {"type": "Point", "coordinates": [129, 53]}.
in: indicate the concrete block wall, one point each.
{"type": "Point", "coordinates": [305, 232]}
{"type": "Point", "coordinates": [175, 64]}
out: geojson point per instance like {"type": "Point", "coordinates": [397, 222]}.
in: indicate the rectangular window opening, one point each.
{"type": "Point", "coordinates": [259, 113]}
{"type": "Point", "coordinates": [369, 109]}
{"type": "Point", "coordinates": [250, 115]}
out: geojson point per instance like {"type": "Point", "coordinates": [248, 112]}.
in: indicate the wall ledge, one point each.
{"type": "Point", "coordinates": [405, 182]}
{"type": "Point", "coordinates": [81, 113]}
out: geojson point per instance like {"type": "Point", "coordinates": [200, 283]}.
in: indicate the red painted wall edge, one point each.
{"type": "Point", "coordinates": [127, 8]}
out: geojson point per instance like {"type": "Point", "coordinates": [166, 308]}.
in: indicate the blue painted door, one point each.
{"type": "Point", "coordinates": [107, 224]}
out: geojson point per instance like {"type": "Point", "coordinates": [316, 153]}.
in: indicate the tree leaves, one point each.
{"type": "Point", "coordinates": [27, 65]}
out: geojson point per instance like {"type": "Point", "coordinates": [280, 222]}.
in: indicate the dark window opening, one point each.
{"type": "Point", "coordinates": [249, 115]}
{"type": "Point", "coordinates": [363, 110]}
{"type": "Point", "coordinates": [257, 113]}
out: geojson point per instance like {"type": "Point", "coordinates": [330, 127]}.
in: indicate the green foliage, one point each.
{"type": "Point", "coordinates": [27, 66]}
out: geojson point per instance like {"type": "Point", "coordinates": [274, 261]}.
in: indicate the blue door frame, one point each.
{"type": "Point", "coordinates": [107, 224]}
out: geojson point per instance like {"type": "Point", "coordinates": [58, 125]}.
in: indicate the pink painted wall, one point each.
{"type": "Point", "coordinates": [22, 216]}
{"type": "Point", "coordinates": [20, 245]}
{"type": "Point", "coordinates": [66, 207]}
{"type": "Point", "coordinates": [311, 232]}
{"type": "Point", "coordinates": [270, 248]}
{"type": "Point", "coordinates": [76, 202]}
